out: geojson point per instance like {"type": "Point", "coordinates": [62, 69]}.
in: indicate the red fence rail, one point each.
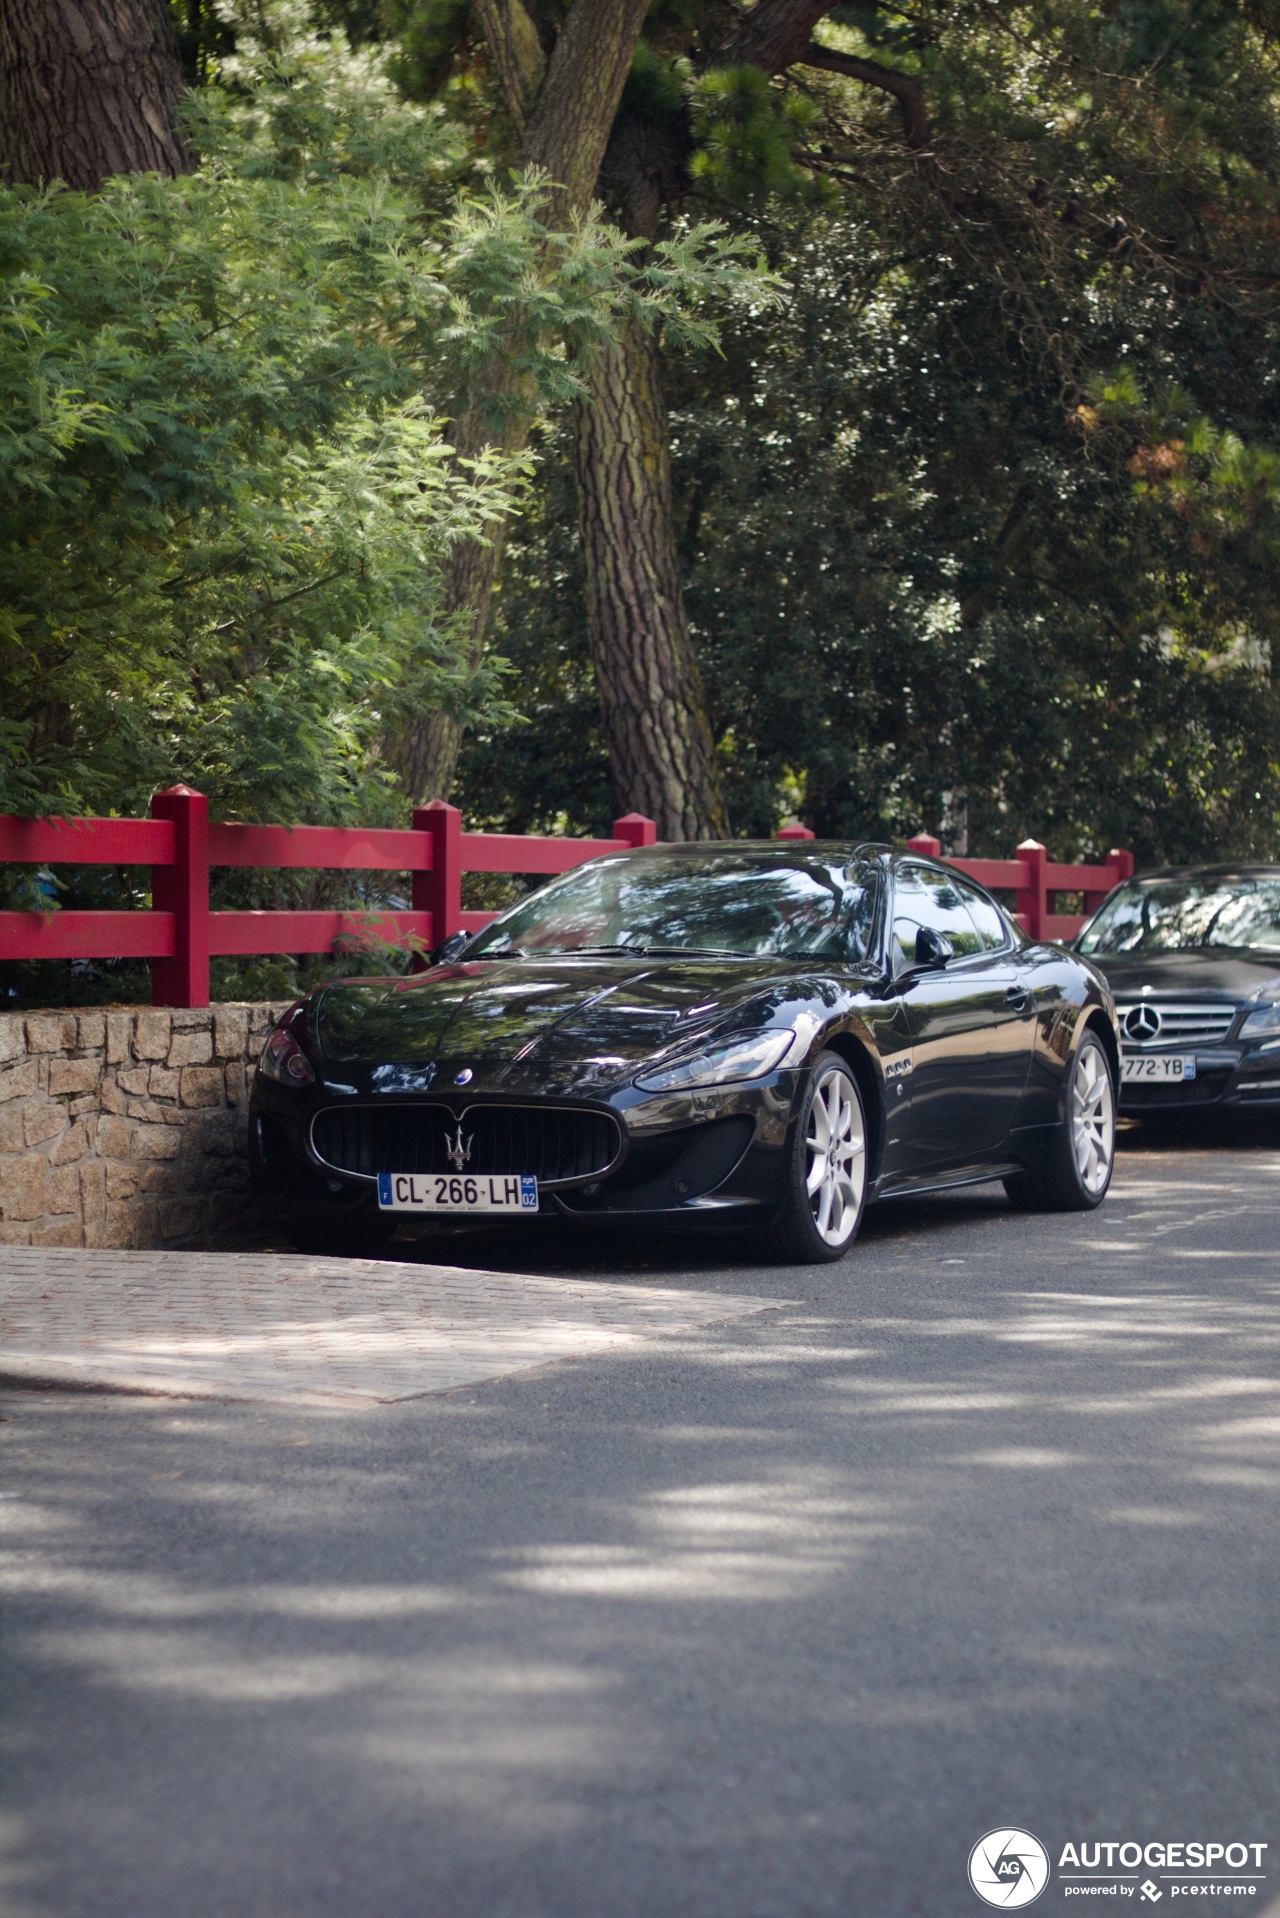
{"type": "Point", "coordinates": [180, 845]}
{"type": "Point", "coordinates": [180, 934]}
{"type": "Point", "coordinates": [1035, 879]}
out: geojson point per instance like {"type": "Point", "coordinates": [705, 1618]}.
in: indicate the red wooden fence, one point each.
{"type": "Point", "coordinates": [1034, 879]}
{"type": "Point", "coordinates": [180, 934]}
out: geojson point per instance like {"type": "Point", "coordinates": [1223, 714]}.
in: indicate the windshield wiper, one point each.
{"type": "Point", "coordinates": [667, 952]}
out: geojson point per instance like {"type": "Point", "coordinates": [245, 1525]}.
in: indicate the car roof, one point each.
{"type": "Point", "coordinates": [828, 849]}
{"type": "Point", "coordinates": [834, 852]}
{"type": "Point", "coordinates": [1209, 872]}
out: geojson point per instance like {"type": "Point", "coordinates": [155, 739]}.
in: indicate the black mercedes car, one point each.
{"type": "Point", "coordinates": [1193, 958]}
{"type": "Point", "coordinates": [732, 1035]}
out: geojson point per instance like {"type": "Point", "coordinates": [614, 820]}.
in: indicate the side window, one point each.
{"type": "Point", "coordinates": [985, 915]}
{"type": "Point", "coordinates": [925, 898]}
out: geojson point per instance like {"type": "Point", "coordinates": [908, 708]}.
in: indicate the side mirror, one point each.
{"type": "Point", "coordinates": [933, 948]}
{"type": "Point", "coordinates": [450, 948]}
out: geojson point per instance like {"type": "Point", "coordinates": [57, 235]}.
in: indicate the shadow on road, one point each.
{"type": "Point", "coordinates": [771, 1622]}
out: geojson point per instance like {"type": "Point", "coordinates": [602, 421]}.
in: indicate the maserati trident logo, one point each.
{"type": "Point", "coordinates": [457, 1149]}
{"type": "Point", "coordinates": [1141, 1022]}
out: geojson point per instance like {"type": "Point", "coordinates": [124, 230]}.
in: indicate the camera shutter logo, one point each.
{"type": "Point", "coordinates": [1142, 1023]}
{"type": "Point", "coordinates": [1008, 1868]}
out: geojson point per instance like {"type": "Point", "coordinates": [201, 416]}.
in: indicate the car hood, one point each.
{"type": "Point", "coordinates": [577, 1024]}
{"type": "Point", "coordinates": [1217, 975]}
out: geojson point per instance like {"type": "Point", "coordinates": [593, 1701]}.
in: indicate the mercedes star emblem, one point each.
{"type": "Point", "coordinates": [1141, 1023]}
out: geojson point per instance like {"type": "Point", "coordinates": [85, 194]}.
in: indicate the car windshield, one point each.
{"type": "Point", "coordinates": [757, 905]}
{"type": "Point", "coordinates": [1188, 915]}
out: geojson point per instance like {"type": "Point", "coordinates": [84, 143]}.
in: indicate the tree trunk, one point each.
{"type": "Point", "coordinates": [563, 106]}
{"type": "Point", "coordinates": [88, 88]}
{"type": "Point", "coordinates": [655, 721]}
{"type": "Point", "coordinates": [650, 693]}
{"type": "Point", "coordinates": [425, 755]}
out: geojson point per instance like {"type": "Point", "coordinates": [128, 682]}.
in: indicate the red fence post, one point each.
{"type": "Point", "coordinates": [794, 831]}
{"type": "Point", "coordinates": [439, 891]}
{"type": "Point", "coordinates": [635, 829]}
{"type": "Point", "coordinates": [1031, 902]}
{"type": "Point", "coordinates": [925, 843]}
{"type": "Point", "coordinates": [183, 890]}
{"type": "Point", "coordinates": [1121, 864]}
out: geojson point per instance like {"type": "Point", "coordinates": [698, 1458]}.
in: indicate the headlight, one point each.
{"type": "Point", "coordinates": [284, 1061]}
{"type": "Point", "coordinates": [1262, 1020]}
{"type": "Point", "coordinates": [747, 1058]}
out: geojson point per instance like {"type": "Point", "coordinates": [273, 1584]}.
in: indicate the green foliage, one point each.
{"type": "Point", "coordinates": [929, 592]}
{"type": "Point", "coordinates": [224, 499]}
{"type": "Point", "coordinates": [979, 522]}
{"type": "Point", "coordinates": [746, 130]}
{"type": "Point", "coordinates": [979, 529]}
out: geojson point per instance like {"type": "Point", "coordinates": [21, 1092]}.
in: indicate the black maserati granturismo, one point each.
{"type": "Point", "coordinates": [1192, 955]}
{"type": "Point", "coordinates": [735, 1035]}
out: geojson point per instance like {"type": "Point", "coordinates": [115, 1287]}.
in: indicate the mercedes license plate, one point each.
{"type": "Point", "coordinates": [455, 1192]}
{"type": "Point", "coordinates": [1147, 1070]}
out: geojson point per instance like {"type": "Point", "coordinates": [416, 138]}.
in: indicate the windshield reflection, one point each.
{"type": "Point", "coordinates": [1186, 915]}
{"type": "Point", "coordinates": [762, 904]}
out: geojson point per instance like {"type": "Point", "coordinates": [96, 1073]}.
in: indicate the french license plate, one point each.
{"type": "Point", "coordinates": [1134, 1067]}
{"type": "Point", "coordinates": [454, 1192]}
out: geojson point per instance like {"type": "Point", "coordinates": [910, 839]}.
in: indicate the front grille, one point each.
{"type": "Point", "coordinates": [1181, 1025]}
{"type": "Point", "coordinates": [553, 1143]}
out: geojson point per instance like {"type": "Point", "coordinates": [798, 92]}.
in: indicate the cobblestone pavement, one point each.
{"type": "Point", "coordinates": [277, 1327]}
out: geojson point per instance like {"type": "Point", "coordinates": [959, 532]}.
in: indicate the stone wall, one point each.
{"type": "Point", "coordinates": [127, 1126]}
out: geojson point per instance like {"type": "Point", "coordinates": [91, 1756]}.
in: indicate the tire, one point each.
{"type": "Point", "coordinates": [1078, 1173]}
{"type": "Point", "coordinates": [342, 1238]}
{"type": "Point", "coordinates": [826, 1190]}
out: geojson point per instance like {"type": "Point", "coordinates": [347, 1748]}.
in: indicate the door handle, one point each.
{"type": "Point", "coordinates": [1018, 997]}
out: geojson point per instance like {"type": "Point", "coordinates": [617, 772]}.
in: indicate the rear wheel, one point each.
{"type": "Point", "coordinates": [1083, 1153]}
{"type": "Point", "coordinates": [827, 1172]}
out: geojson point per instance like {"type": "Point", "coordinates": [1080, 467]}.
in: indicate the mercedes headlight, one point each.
{"type": "Point", "coordinates": [284, 1061]}
{"type": "Point", "coordinates": [1262, 1020]}
{"type": "Point", "coordinates": [746, 1058]}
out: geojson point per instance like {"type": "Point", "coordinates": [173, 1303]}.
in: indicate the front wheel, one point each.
{"type": "Point", "coordinates": [1084, 1146]}
{"type": "Point", "coordinates": [826, 1172]}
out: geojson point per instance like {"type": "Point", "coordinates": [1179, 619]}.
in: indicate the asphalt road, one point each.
{"type": "Point", "coordinates": [772, 1620]}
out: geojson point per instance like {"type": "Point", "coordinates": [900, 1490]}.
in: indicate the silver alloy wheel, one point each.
{"type": "Point", "coordinates": [837, 1158]}
{"type": "Point", "coordinates": [1093, 1119]}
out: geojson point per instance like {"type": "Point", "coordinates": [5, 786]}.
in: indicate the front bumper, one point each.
{"type": "Point", "coordinates": [1235, 1077]}
{"type": "Point", "coordinates": [713, 1158]}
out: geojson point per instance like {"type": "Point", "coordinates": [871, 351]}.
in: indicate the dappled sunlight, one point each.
{"type": "Point", "coordinates": [1175, 1518]}
{"type": "Point", "coordinates": [903, 1402]}
{"type": "Point", "coordinates": [760, 1539]}
{"type": "Point", "coordinates": [142, 1595]}
{"type": "Point", "coordinates": [1019, 1458]}
{"type": "Point", "coordinates": [984, 1489]}
{"type": "Point", "coordinates": [198, 1666]}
